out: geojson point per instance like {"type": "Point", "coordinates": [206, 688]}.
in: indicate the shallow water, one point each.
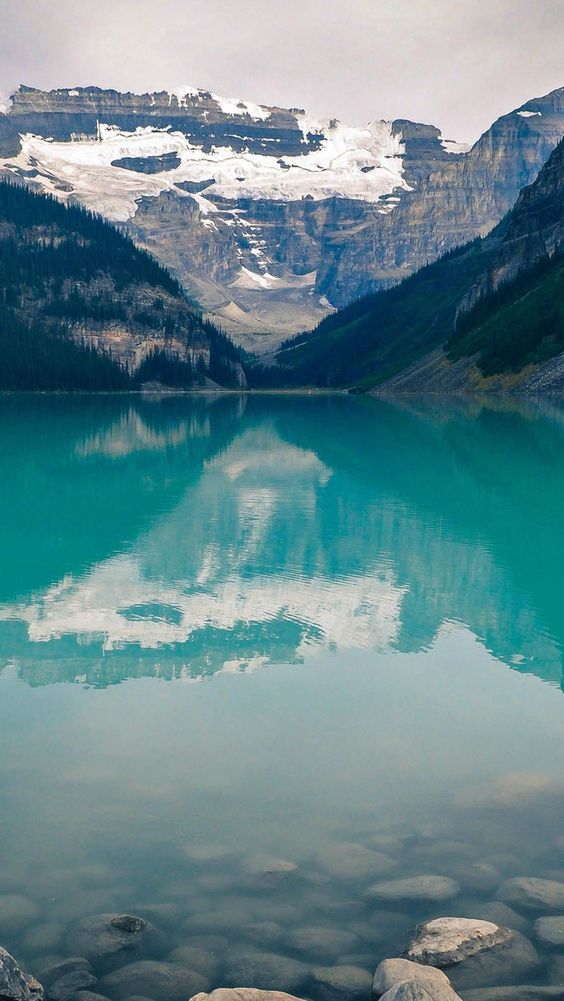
{"type": "Point", "coordinates": [238, 631]}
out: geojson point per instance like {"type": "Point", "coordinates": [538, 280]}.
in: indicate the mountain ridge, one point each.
{"type": "Point", "coordinates": [272, 218]}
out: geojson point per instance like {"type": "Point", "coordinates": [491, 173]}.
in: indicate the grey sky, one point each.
{"type": "Point", "coordinates": [456, 63]}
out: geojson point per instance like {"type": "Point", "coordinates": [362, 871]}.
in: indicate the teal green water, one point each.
{"type": "Point", "coordinates": [269, 626]}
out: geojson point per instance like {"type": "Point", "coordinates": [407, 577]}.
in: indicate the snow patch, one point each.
{"type": "Point", "coordinates": [453, 147]}
{"type": "Point", "coordinates": [181, 93]}
{"type": "Point", "coordinates": [234, 106]}
{"type": "Point", "coordinates": [529, 114]}
{"type": "Point", "coordinates": [355, 163]}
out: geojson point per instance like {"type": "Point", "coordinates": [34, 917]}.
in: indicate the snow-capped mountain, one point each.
{"type": "Point", "coordinates": [268, 216]}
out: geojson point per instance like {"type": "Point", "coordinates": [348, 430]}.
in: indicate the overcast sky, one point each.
{"type": "Point", "coordinates": [456, 63]}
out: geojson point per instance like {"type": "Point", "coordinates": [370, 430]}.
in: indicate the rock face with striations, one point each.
{"type": "Point", "coordinates": [16, 985]}
{"type": "Point", "coordinates": [268, 216]}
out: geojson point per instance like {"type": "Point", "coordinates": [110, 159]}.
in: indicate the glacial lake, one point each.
{"type": "Point", "coordinates": [259, 655]}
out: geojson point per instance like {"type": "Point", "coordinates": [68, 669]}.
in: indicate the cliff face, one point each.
{"type": "Point", "coordinates": [458, 201]}
{"type": "Point", "coordinates": [535, 229]}
{"type": "Point", "coordinates": [267, 216]}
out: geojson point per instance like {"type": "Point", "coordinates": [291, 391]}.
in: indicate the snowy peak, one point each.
{"type": "Point", "coordinates": [110, 149]}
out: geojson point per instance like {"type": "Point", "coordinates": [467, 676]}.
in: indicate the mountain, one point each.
{"type": "Point", "coordinates": [82, 308]}
{"type": "Point", "coordinates": [268, 217]}
{"type": "Point", "coordinates": [489, 315]}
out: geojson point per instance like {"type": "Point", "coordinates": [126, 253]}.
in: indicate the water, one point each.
{"type": "Point", "coordinates": [237, 631]}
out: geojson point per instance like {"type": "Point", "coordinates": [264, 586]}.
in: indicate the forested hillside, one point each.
{"type": "Point", "coordinates": [372, 339]}
{"type": "Point", "coordinates": [82, 308]}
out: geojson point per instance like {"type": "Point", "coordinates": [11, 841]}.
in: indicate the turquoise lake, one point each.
{"type": "Point", "coordinates": [237, 632]}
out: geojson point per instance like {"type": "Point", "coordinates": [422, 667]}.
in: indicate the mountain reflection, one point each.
{"type": "Point", "coordinates": [185, 537]}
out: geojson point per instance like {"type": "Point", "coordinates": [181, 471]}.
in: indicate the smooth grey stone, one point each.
{"type": "Point", "coordinates": [362, 960]}
{"type": "Point", "coordinates": [206, 963]}
{"type": "Point", "coordinates": [267, 872]}
{"type": "Point", "coordinates": [210, 943]}
{"type": "Point", "coordinates": [264, 933]}
{"type": "Point", "coordinates": [474, 952]}
{"type": "Point", "coordinates": [555, 972]}
{"type": "Point", "coordinates": [550, 932]}
{"type": "Point", "coordinates": [163, 981]}
{"type": "Point", "coordinates": [479, 877]}
{"type": "Point", "coordinates": [520, 993]}
{"type": "Point", "coordinates": [223, 919]}
{"type": "Point", "coordinates": [243, 994]}
{"type": "Point", "coordinates": [531, 893]}
{"type": "Point", "coordinates": [16, 913]}
{"type": "Point", "coordinates": [111, 936]}
{"type": "Point", "coordinates": [89, 996]}
{"type": "Point", "coordinates": [426, 888]}
{"type": "Point", "coordinates": [43, 938]}
{"type": "Point", "coordinates": [52, 972]}
{"type": "Point", "coordinates": [318, 940]}
{"type": "Point", "coordinates": [414, 990]}
{"type": "Point", "coordinates": [266, 970]}
{"type": "Point", "coordinates": [67, 986]}
{"type": "Point", "coordinates": [500, 914]}
{"type": "Point", "coordinates": [392, 972]}
{"type": "Point", "coordinates": [15, 985]}
{"type": "Point", "coordinates": [341, 983]}
{"type": "Point", "coordinates": [353, 861]}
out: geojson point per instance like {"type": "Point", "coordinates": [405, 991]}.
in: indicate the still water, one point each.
{"type": "Point", "coordinates": [236, 633]}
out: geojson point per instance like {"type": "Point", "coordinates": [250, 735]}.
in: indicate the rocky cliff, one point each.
{"type": "Point", "coordinates": [268, 216]}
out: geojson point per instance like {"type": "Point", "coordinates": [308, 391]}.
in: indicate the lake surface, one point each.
{"type": "Point", "coordinates": [240, 632]}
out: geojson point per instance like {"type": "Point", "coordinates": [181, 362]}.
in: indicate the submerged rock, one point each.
{"type": "Point", "coordinates": [43, 937]}
{"type": "Point", "coordinates": [513, 791]}
{"type": "Point", "coordinates": [550, 932]}
{"type": "Point", "coordinates": [16, 913]}
{"type": "Point", "coordinates": [475, 952]}
{"type": "Point", "coordinates": [266, 872]}
{"type": "Point", "coordinates": [519, 993]}
{"type": "Point", "coordinates": [103, 937]}
{"type": "Point", "coordinates": [341, 983]}
{"type": "Point", "coordinates": [162, 981]}
{"type": "Point", "coordinates": [353, 861]}
{"type": "Point", "coordinates": [480, 877]}
{"type": "Point", "coordinates": [15, 985]}
{"type": "Point", "coordinates": [317, 940]}
{"type": "Point", "coordinates": [500, 914]}
{"type": "Point", "coordinates": [265, 970]}
{"type": "Point", "coordinates": [432, 888]}
{"type": "Point", "coordinates": [89, 996]}
{"type": "Point", "coordinates": [531, 893]}
{"type": "Point", "coordinates": [55, 971]}
{"type": "Point", "coordinates": [67, 986]}
{"type": "Point", "coordinates": [199, 960]}
{"type": "Point", "coordinates": [392, 972]}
